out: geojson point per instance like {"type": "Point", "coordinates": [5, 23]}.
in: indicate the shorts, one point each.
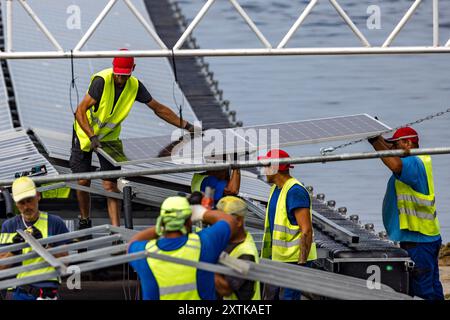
{"type": "Point", "coordinates": [81, 161]}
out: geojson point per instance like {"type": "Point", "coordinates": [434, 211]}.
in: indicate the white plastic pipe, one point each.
{"type": "Point", "coordinates": [402, 23]}
{"type": "Point", "coordinates": [95, 25]}
{"type": "Point", "coordinates": [297, 24]}
{"type": "Point", "coordinates": [193, 24]}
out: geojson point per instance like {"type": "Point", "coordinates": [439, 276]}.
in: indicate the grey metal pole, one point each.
{"type": "Point", "coordinates": [127, 206]}
{"type": "Point", "coordinates": [247, 164]}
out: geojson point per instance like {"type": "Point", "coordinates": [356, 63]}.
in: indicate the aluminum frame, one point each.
{"type": "Point", "coordinates": [271, 272]}
{"type": "Point", "coordinates": [247, 164]}
{"type": "Point", "coordinates": [269, 50]}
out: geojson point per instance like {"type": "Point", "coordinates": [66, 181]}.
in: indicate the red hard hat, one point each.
{"type": "Point", "coordinates": [277, 154]}
{"type": "Point", "coordinates": [123, 65]}
{"type": "Point", "coordinates": [406, 133]}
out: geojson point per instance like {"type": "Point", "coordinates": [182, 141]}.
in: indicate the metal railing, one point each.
{"type": "Point", "coordinates": [268, 50]}
{"type": "Point", "coordinates": [109, 252]}
{"type": "Point", "coordinates": [221, 166]}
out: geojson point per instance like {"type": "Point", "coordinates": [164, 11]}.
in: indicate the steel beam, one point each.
{"type": "Point", "coordinates": [336, 231]}
{"type": "Point", "coordinates": [247, 164]}
{"type": "Point", "coordinates": [41, 251]}
{"type": "Point", "coordinates": [59, 238]}
{"type": "Point", "coordinates": [402, 23]}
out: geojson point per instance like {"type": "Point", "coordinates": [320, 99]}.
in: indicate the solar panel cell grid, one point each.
{"type": "Point", "coordinates": [240, 140]}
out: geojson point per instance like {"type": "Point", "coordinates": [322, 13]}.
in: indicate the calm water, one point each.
{"type": "Point", "coordinates": [397, 89]}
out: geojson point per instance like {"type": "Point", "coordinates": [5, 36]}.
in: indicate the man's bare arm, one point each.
{"type": "Point", "coordinates": [145, 235]}
{"type": "Point", "coordinates": [233, 186]}
{"type": "Point", "coordinates": [80, 114]}
{"type": "Point", "coordinates": [222, 286]}
{"type": "Point", "coordinates": [5, 255]}
{"type": "Point", "coordinates": [166, 113]}
{"type": "Point", "coordinates": [393, 163]}
{"type": "Point", "coordinates": [303, 218]}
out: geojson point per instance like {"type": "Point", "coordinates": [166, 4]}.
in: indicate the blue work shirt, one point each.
{"type": "Point", "coordinates": [216, 184]}
{"type": "Point", "coordinates": [297, 197]}
{"type": "Point", "coordinates": [55, 226]}
{"type": "Point", "coordinates": [413, 174]}
{"type": "Point", "coordinates": [213, 241]}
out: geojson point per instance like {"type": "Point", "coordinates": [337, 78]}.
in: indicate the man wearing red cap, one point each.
{"type": "Point", "coordinates": [288, 231]}
{"type": "Point", "coordinates": [409, 211]}
{"type": "Point", "coordinates": [112, 93]}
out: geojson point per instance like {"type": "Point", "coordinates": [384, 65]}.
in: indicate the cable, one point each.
{"type": "Point", "coordinates": [179, 106]}
{"type": "Point", "coordinates": [73, 84]}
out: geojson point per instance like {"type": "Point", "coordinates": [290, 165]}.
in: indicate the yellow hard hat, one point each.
{"type": "Point", "coordinates": [176, 204]}
{"type": "Point", "coordinates": [23, 188]}
{"type": "Point", "coordinates": [173, 215]}
{"type": "Point", "coordinates": [233, 205]}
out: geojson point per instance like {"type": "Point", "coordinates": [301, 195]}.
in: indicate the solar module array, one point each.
{"type": "Point", "coordinates": [18, 154]}
{"type": "Point", "coordinates": [241, 140]}
{"type": "Point", "coordinates": [42, 86]}
{"type": "Point", "coordinates": [5, 116]}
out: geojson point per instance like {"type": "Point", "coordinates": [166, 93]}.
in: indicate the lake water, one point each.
{"type": "Point", "coordinates": [397, 89]}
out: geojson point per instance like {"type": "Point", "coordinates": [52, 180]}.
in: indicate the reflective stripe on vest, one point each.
{"type": "Point", "coordinates": [176, 281]}
{"type": "Point", "coordinates": [196, 182]}
{"type": "Point", "coordinates": [106, 120]}
{"type": "Point", "coordinates": [248, 247]}
{"type": "Point", "coordinates": [7, 238]}
{"type": "Point", "coordinates": [417, 211]}
{"type": "Point", "coordinates": [285, 245]}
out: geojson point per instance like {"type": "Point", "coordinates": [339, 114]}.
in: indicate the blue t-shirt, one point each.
{"type": "Point", "coordinates": [297, 197]}
{"type": "Point", "coordinates": [216, 184]}
{"type": "Point", "coordinates": [413, 174]}
{"type": "Point", "coordinates": [213, 241]}
{"type": "Point", "coordinates": [55, 226]}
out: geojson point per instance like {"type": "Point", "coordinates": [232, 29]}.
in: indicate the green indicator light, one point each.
{"type": "Point", "coordinates": [389, 268]}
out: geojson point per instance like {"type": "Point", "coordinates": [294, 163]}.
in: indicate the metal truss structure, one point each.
{"type": "Point", "coordinates": [267, 50]}
{"type": "Point", "coordinates": [106, 245]}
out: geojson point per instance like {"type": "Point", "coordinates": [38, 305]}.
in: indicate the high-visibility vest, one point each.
{"type": "Point", "coordinates": [417, 211]}
{"type": "Point", "coordinates": [176, 281]}
{"type": "Point", "coordinates": [284, 244]}
{"type": "Point", "coordinates": [248, 247]}
{"type": "Point", "coordinates": [106, 120]}
{"type": "Point", "coordinates": [42, 225]}
{"type": "Point", "coordinates": [196, 182]}
{"type": "Point", "coordinates": [60, 193]}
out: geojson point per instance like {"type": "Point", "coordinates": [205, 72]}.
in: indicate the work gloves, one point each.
{"type": "Point", "coordinates": [17, 239]}
{"type": "Point", "coordinates": [95, 142]}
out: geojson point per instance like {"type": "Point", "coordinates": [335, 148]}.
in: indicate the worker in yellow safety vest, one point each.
{"type": "Point", "coordinates": [172, 236]}
{"type": "Point", "coordinates": [39, 225]}
{"type": "Point", "coordinates": [288, 231]}
{"type": "Point", "coordinates": [111, 95]}
{"type": "Point", "coordinates": [224, 182]}
{"type": "Point", "coordinates": [241, 246]}
{"type": "Point", "coordinates": [409, 211]}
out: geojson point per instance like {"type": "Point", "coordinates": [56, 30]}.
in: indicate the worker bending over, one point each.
{"type": "Point", "coordinates": [288, 231]}
{"type": "Point", "coordinates": [39, 225]}
{"type": "Point", "coordinates": [409, 211]}
{"type": "Point", "coordinates": [111, 95]}
{"type": "Point", "coordinates": [172, 236]}
{"type": "Point", "coordinates": [241, 246]}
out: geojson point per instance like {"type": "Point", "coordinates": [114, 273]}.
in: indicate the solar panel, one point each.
{"type": "Point", "coordinates": [317, 130]}
{"type": "Point", "coordinates": [185, 149]}
{"type": "Point", "coordinates": [241, 140]}
{"type": "Point", "coordinates": [18, 154]}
